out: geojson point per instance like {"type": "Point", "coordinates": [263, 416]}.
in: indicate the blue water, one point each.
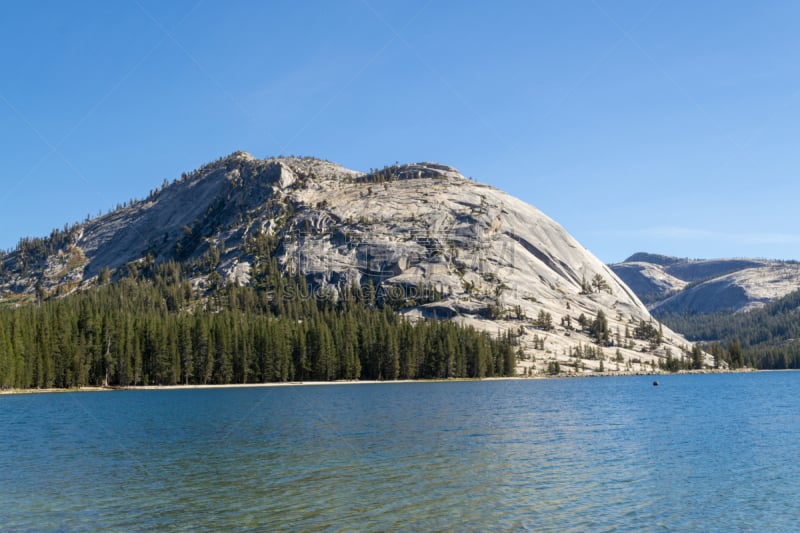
{"type": "Point", "coordinates": [710, 452]}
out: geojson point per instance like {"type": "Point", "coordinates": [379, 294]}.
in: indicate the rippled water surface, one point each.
{"type": "Point", "coordinates": [713, 452]}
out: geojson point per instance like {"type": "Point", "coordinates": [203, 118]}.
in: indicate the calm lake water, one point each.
{"type": "Point", "coordinates": [710, 452]}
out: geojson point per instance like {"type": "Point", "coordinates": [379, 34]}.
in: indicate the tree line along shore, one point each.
{"type": "Point", "coordinates": [153, 329]}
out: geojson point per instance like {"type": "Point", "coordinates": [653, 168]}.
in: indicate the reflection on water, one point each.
{"type": "Point", "coordinates": [699, 452]}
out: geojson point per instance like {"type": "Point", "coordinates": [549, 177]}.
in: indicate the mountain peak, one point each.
{"type": "Point", "coordinates": [430, 242]}
{"type": "Point", "coordinates": [241, 156]}
{"type": "Point", "coordinates": [426, 170]}
{"type": "Point", "coordinates": [673, 285]}
{"type": "Point", "coordinates": [656, 259]}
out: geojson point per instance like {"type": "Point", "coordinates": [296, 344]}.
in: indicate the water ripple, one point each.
{"type": "Point", "coordinates": [698, 453]}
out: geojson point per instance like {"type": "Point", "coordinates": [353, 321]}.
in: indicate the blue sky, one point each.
{"type": "Point", "coordinates": [662, 126]}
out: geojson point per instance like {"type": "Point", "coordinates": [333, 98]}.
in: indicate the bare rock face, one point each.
{"type": "Point", "coordinates": [673, 285]}
{"type": "Point", "coordinates": [426, 239]}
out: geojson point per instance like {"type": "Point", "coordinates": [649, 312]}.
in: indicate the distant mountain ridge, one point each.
{"type": "Point", "coordinates": [409, 231]}
{"type": "Point", "coordinates": [670, 285]}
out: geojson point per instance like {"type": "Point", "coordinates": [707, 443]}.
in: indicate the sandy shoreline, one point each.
{"type": "Point", "coordinates": [367, 382]}
{"type": "Point", "coordinates": [253, 385]}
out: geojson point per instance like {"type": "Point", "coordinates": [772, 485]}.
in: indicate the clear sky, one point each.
{"type": "Point", "coordinates": [664, 126]}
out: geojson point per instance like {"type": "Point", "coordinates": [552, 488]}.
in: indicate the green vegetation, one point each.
{"type": "Point", "coordinates": [649, 332]}
{"type": "Point", "coordinates": [597, 284]}
{"type": "Point", "coordinates": [151, 327]}
{"type": "Point", "coordinates": [767, 338]}
{"type": "Point", "coordinates": [673, 364]}
{"type": "Point", "coordinates": [599, 328]}
{"type": "Point", "coordinates": [544, 320]}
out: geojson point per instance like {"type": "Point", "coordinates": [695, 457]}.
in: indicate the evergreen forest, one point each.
{"type": "Point", "coordinates": [149, 326]}
{"type": "Point", "coordinates": [766, 338]}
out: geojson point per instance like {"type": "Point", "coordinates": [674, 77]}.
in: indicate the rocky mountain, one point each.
{"type": "Point", "coordinates": [673, 285]}
{"type": "Point", "coordinates": [428, 240]}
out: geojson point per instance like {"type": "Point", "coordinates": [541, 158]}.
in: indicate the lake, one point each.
{"type": "Point", "coordinates": [699, 452]}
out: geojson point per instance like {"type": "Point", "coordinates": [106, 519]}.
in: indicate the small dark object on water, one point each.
{"type": "Point", "coordinates": [656, 384]}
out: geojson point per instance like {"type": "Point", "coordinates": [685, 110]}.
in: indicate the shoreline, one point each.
{"type": "Point", "coordinates": [373, 382]}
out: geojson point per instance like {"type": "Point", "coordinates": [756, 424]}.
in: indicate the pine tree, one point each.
{"type": "Point", "coordinates": [599, 328]}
